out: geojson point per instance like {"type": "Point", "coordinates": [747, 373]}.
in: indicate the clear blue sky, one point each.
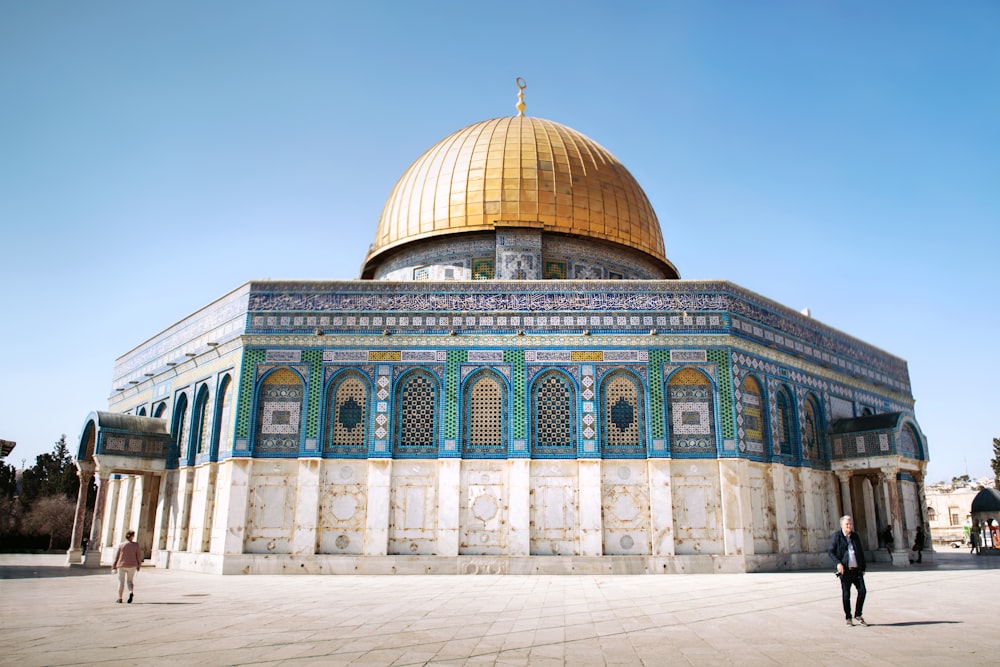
{"type": "Point", "coordinates": [842, 156]}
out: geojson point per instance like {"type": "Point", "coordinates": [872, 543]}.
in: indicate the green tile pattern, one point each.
{"type": "Point", "coordinates": [247, 376]}
{"type": "Point", "coordinates": [520, 419]}
{"type": "Point", "coordinates": [451, 398]}
{"type": "Point", "coordinates": [724, 378]}
{"type": "Point", "coordinates": [657, 416]}
{"type": "Point", "coordinates": [314, 404]}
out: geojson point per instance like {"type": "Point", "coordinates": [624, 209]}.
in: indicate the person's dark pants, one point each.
{"type": "Point", "coordinates": [855, 578]}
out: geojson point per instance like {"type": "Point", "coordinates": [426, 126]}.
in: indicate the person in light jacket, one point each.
{"type": "Point", "coordinates": [128, 561]}
{"type": "Point", "coordinates": [846, 551]}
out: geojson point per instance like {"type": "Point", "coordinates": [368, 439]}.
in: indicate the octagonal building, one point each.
{"type": "Point", "coordinates": [518, 382]}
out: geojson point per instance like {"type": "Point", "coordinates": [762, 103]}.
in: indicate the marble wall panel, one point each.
{"type": "Point", "coordinates": [794, 524]}
{"type": "Point", "coordinates": [271, 507]}
{"type": "Point", "coordinates": [765, 533]}
{"type": "Point", "coordinates": [554, 508]}
{"type": "Point", "coordinates": [413, 507]}
{"type": "Point", "coordinates": [697, 507]}
{"type": "Point", "coordinates": [625, 507]}
{"type": "Point", "coordinates": [483, 508]}
{"type": "Point", "coordinates": [343, 503]}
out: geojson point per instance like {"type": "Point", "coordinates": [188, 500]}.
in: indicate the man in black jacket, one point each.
{"type": "Point", "coordinates": [846, 551]}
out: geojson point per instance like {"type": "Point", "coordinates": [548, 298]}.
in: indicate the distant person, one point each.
{"type": "Point", "coordinates": [128, 561]}
{"type": "Point", "coordinates": [846, 551]}
{"type": "Point", "coordinates": [888, 540]}
{"type": "Point", "coordinates": [83, 546]}
{"type": "Point", "coordinates": [918, 546]}
{"type": "Point", "coordinates": [974, 540]}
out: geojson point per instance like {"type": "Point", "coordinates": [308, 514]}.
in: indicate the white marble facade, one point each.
{"type": "Point", "coordinates": [489, 516]}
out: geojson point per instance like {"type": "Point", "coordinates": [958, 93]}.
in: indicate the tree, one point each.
{"type": "Point", "coordinates": [8, 480]}
{"type": "Point", "coordinates": [960, 480]}
{"type": "Point", "coordinates": [995, 463]}
{"type": "Point", "coordinates": [52, 475]}
{"type": "Point", "coordinates": [51, 516]}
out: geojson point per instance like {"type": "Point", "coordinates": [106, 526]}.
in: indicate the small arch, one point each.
{"type": "Point", "coordinates": [814, 445]}
{"type": "Point", "coordinates": [346, 417]}
{"type": "Point", "coordinates": [623, 414]}
{"type": "Point", "coordinates": [784, 426]}
{"type": "Point", "coordinates": [416, 416]}
{"type": "Point", "coordinates": [178, 428]}
{"type": "Point", "coordinates": [553, 415]}
{"type": "Point", "coordinates": [691, 413]}
{"type": "Point", "coordinates": [484, 415]}
{"type": "Point", "coordinates": [755, 434]}
{"type": "Point", "coordinates": [200, 435]}
{"type": "Point", "coordinates": [222, 430]}
{"type": "Point", "coordinates": [280, 396]}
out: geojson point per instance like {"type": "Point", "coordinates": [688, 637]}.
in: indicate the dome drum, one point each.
{"type": "Point", "coordinates": [525, 174]}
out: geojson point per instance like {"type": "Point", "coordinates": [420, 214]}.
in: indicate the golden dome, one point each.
{"type": "Point", "coordinates": [519, 171]}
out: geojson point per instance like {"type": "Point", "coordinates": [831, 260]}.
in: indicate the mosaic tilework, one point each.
{"type": "Point", "coordinates": [783, 423]}
{"type": "Point", "coordinates": [907, 443]}
{"type": "Point", "coordinates": [347, 415]}
{"type": "Point", "coordinates": [553, 408]}
{"type": "Point", "coordinates": [455, 358]}
{"type": "Point", "coordinates": [314, 405]}
{"type": "Point", "coordinates": [181, 427]}
{"type": "Point", "coordinates": [482, 269]}
{"type": "Point", "coordinates": [279, 412]}
{"type": "Point", "coordinates": [657, 358]}
{"type": "Point", "coordinates": [554, 270]}
{"type": "Point", "coordinates": [250, 360]}
{"type": "Point", "coordinates": [486, 410]}
{"type": "Point", "coordinates": [812, 438]}
{"type": "Point", "coordinates": [224, 424]}
{"type": "Point", "coordinates": [202, 423]}
{"type": "Point", "coordinates": [690, 414]}
{"type": "Point", "coordinates": [753, 427]}
{"type": "Point", "coordinates": [416, 423]}
{"type": "Point", "coordinates": [724, 380]}
{"type": "Point", "coordinates": [516, 360]}
{"type": "Point", "coordinates": [623, 423]}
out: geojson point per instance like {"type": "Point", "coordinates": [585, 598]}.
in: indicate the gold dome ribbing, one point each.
{"type": "Point", "coordinates": [519, 172]}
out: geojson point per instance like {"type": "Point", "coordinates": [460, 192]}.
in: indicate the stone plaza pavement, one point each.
{"type": "Point", "coordinates": [933, 614]}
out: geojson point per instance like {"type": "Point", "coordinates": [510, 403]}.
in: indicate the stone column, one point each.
{"type": "Point", "coordinates": [519, 514]}
{"type": "Point", "coordinates": [845, 495]}
{"type": "Point", "coordinates": [591, 529]}
{"type": "Point", "coordinates": [780, 508]}
{"type": "Point", "coordinates": [235, 511]}
{"type": "Point", "coordinates": [809, 489]}
{"type": "Point", "coordinates": [661, 507]}
{"type": "Point", "coordinates": [377, 517]}
{"type": "Point", "coordinates": [94, 549]}
{"type": "Point", "coordinates": [894, 516]}
{"type": "Point", "coordinates": [449, 498]}
{"type": "Point", "coordinates": [85, 471]}
{"type": "Point", "coordinates": [734, 514]}
{"type": "Point", "coordinates": [306, 508]}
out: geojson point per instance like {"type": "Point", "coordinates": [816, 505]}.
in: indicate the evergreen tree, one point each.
{"type": "Point", "coordinates": [52, 475]}
{"type": "Point", "coordinates": [995, 463]}
{"type": "Point", "coordinates": [8, 480]}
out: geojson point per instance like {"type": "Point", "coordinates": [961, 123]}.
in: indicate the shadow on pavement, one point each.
{"type": "Point", "coordinates": [49, 571]}
{"type": "Point", "coordinates": [909, 623]}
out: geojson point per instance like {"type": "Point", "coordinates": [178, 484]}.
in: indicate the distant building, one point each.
{"type": "Point", "coordinates": [948, 508]}
{"type": "Point", "coordinates": [518, 382]}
